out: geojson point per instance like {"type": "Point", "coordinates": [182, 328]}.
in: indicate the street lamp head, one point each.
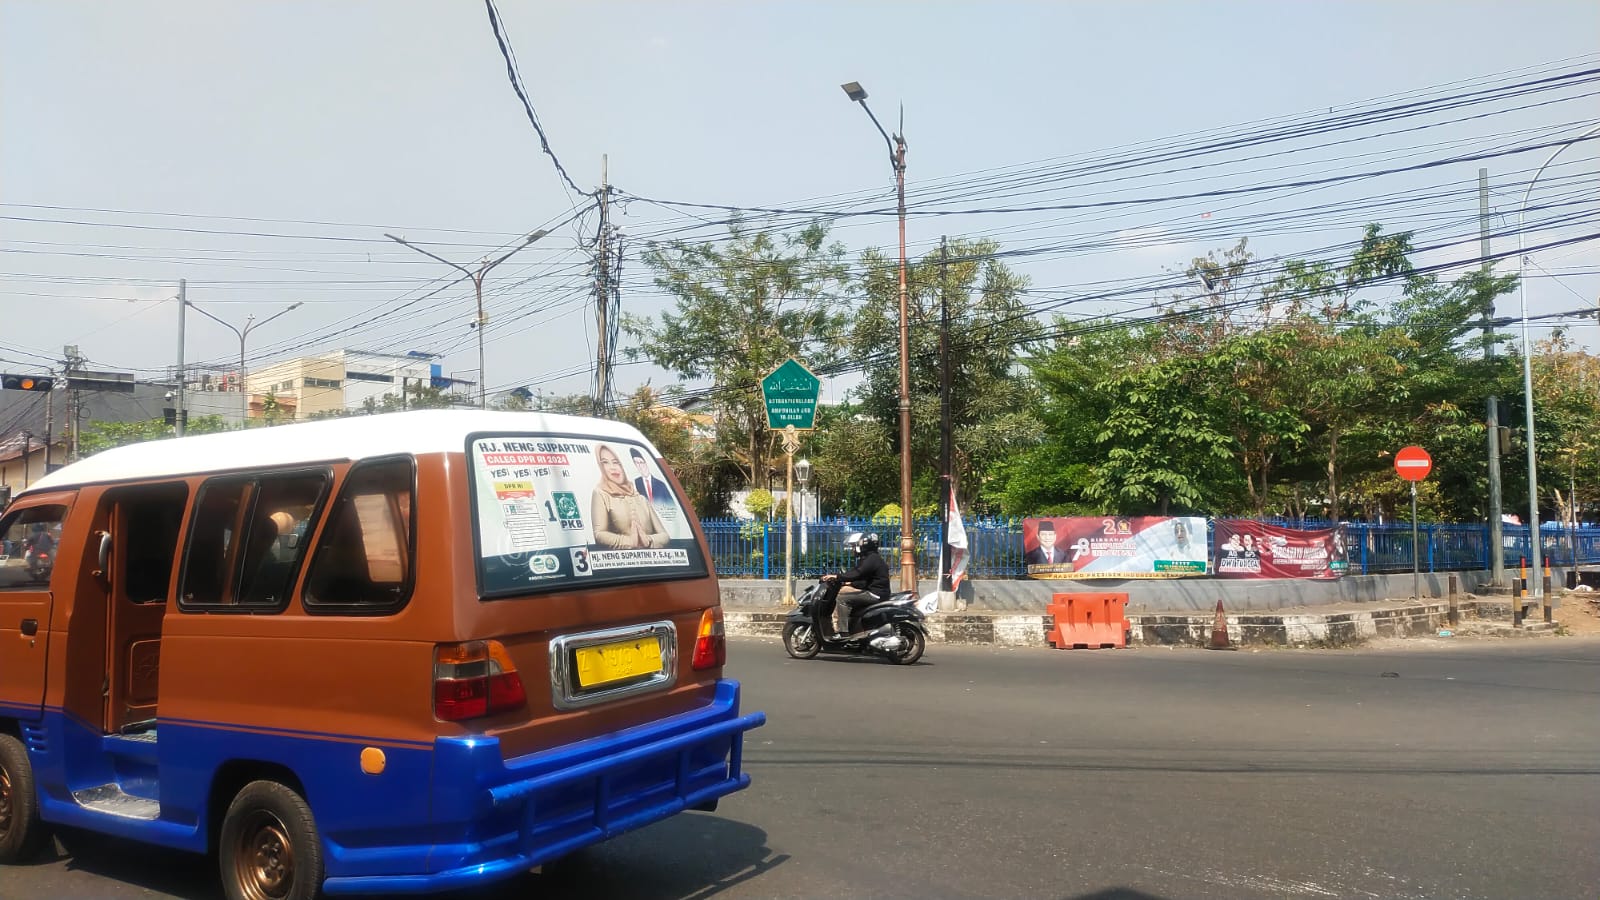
{"type": "Point", "coordinates": [802, 471]}
{"type": "Point", "coordinates": [855, 91]}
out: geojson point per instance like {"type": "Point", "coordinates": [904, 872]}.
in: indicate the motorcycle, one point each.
{"type": "Point", "coordinates": [892, 628]}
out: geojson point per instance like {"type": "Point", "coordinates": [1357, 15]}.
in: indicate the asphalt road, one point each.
{"type": "Point", "coordinates": [1473, 771]}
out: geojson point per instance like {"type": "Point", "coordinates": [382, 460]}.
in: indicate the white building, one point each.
{"type": "Point", "coordinates": [343, 380]}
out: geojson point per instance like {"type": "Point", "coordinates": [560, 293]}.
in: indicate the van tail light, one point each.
{"type": "Point", "coordinates": [710, 645]}
{"type": "Point", "coordinates": [475, 679]}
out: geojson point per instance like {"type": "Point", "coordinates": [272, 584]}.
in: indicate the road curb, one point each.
{"type": "Point", "coordinates": [1299, 630]}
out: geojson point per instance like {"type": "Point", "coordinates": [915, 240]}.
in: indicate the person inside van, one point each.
{"type": "Point", "coordinates": [623, 519]}
{"type": "Point", "coordinates": [41, 549]}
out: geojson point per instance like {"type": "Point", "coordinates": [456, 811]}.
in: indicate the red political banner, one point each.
{"type": "Point", "coordinates": [1247, 549]}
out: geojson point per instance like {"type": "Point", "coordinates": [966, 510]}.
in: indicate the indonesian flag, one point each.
{"type": "Point", "coordinates": [958, 544]}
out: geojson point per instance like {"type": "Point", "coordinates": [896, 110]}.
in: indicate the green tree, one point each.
{"type": "Point", "coordinates": [854, 466]}
{"type": "Point", "coordinates": [420, 396]}
{"type": "Point", "coordinates": [1345, 360]}
{"type": "Point", "coordinates": [1566, 384]}
{"type": "Point", "coordinates": [98, 436]}
{"type": "Point", "coordinates": [742, 307]}
{"type": "Point", "coordinates": [679, 438]}
{"type": "Point", "coordinates": [992, 401]}
{"type": "Point", "coordinates": [760, 503]}
{"type": "Point", "coordinates": [1159, 440]}
{"type": "Point", "coordinates": [1309, 381]}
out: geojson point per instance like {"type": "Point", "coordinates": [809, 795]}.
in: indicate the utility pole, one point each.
{"type": "Point", "coordinates": [947, 481]}
{"type": "Point", "coordinates": [49, 421]}
{"type": "Point", "coordinates": [1497, 550]}
{"type": "Point", "coordinates": [72, 361]}
{"type": "Point", "coordinates": [602, 295]}
{"type": "Point", "coordinates": [908, 538]}
{"type": "Point", "coordinates": [477, 277]}
{"type": "Point", "coordinates": [183, 304]}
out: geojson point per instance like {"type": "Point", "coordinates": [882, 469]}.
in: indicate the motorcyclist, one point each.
{"type": "Point", "coordinates": [869, 578]}
{"type": "Point", "coordinates": [41, 546]}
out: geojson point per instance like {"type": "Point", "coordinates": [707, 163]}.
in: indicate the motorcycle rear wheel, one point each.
{"type": "Point", "coordinates": [914, 644]}
{"type": "Point", "coordinates": [800, 640]}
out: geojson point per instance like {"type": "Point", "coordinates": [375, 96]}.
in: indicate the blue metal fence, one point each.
{"type": "Point", "coordinates": [743, 548]}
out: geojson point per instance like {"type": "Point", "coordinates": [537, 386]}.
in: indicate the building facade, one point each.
{"type": "Point", "coordinates": [341, 381]}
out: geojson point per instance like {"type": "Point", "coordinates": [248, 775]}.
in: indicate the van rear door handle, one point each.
{"type": "Point", "coordinates": [30, 627]}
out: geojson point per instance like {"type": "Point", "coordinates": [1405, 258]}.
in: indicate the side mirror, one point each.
{"type": "Point", "coordinates": [105, 553]}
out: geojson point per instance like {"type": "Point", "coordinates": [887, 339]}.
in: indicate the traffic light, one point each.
{"type": "Point", "coordinates": [26, 382]}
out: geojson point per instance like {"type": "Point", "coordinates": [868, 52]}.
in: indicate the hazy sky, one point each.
{"type": "Point", "coordinates": [261, 150]}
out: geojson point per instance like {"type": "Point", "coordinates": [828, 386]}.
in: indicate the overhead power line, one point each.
{"type": "Point", "coordinates": [1132, 201]}
{"type": "Point", "coordinates": [522, 94]}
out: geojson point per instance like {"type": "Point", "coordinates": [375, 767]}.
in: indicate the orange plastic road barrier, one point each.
{"type": "Point", "coordinates": [1088, 620]}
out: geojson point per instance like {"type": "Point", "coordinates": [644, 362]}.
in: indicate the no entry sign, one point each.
{"type": "Point", "coordinates": [1413, 463]}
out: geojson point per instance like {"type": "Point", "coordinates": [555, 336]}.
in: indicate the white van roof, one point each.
{"type": "Point", "coordinates": [357, 437]}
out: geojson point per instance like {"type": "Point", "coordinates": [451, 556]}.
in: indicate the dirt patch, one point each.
{"type": "Point", "coordinates": [1579, 613]}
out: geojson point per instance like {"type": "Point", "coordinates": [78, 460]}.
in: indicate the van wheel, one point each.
{"type": "Point", "coordinates": [800, 640]}
{"type": "Point", "coordinates": [268, 848]}
{"type": "Point", "coordinates": [21, 832]}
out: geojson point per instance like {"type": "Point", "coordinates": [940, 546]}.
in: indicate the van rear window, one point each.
{"type": "Point", "coordinates": [554, 512]}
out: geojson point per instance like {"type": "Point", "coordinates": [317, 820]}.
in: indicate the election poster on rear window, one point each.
{"type": "Point", "coordinates": [554, 512]}
{"type": "Point", "coordinates": [1114, 547]}
{"type": "Point", "coordinates": [1246, 549]}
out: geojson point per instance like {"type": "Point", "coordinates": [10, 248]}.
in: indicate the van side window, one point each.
{"type": "Point", "coordinates": [28, 542]}
{"type": "Point", "coordinates": [150, 534]}
{"type": "Point", "coordinates": [364, 558]}
{"type": "Point", "coordinates": [246, 541]}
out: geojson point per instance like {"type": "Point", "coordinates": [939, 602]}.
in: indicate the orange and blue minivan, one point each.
{"type": "Point", "coordinates": [393, 654]}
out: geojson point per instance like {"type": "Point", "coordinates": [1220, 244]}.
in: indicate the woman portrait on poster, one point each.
{"type": "Point", "coordinates": [623, 519]}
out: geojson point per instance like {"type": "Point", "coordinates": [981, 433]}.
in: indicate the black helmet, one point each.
{"type": "Point", "coordinates": [862, 542]}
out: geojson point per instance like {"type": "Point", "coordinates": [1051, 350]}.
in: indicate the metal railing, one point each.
{"type": "Point", "coordinates": [743, 548]}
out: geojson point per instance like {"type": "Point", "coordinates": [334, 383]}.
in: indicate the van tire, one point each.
{"type": "Point", "coordinates": [21, 832]}
{"type": "Point", "coordinates": [268, 848]}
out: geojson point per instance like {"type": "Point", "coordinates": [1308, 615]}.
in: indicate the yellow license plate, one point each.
{"type": "Point", "coordinates": [618, 662]}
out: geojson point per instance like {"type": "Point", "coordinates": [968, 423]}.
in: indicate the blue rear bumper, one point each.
{"type": "Point", "coordinates": [495, 817]}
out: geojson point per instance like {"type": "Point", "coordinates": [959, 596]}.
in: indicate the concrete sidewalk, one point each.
{"type": "Point", "coordinates": [1171, 595]}
{"type": "Point", "coordinates": [1333, 625]}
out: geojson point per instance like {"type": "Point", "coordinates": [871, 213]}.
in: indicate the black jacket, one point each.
{"type": "Point", "coordinates": [871, 574]}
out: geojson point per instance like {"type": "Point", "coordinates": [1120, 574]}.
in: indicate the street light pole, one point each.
{"type": "Point", "coordinates": [1537, 589]}
{"type": "Point", "coordinates": [897, 159]}
{"type": "Point", "coordinates": [802, 473]}
{"type": "Point", "coordinates": [250, 324]}
{"type": "Point", "coordinates": [477, 277]}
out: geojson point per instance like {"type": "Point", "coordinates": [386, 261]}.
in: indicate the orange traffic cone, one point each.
{"type": "Point", "coordinates": [1219, 632]}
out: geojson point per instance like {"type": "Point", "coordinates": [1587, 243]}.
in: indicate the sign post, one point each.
{"type": "Point", "coordinates": [1413, 464]}
{"type": "Point", "coordinates": [790, 392]}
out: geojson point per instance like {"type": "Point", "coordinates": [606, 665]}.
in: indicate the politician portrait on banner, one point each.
{"type": "Point", "coordinates": [1082, 547]}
